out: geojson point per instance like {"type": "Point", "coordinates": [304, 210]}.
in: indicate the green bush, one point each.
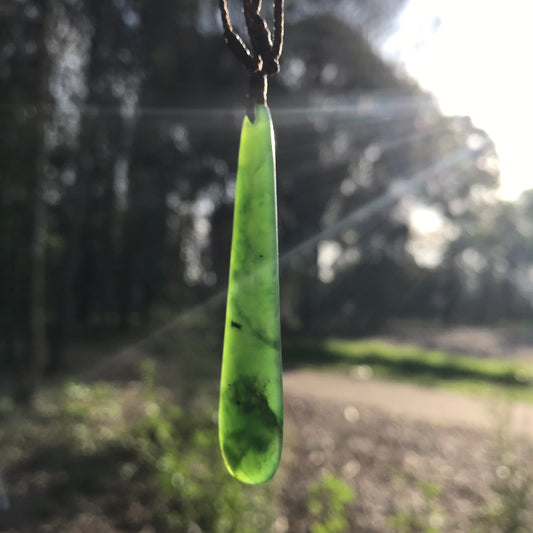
{"type": "Point", "coordinates": [328, 503]}
{"type": "Point", "coordinates": [104, 441]}
{"type": "Point", "coordinates": [422, 520]}
{"type": "Point", "coordinates": [181, 447]}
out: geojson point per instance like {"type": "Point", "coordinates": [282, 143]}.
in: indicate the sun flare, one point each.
{"type": "Point", "coordinates": [474, 57]}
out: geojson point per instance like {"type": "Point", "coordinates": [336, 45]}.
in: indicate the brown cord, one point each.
{"type": "Point", "coordinates": [263, 59]}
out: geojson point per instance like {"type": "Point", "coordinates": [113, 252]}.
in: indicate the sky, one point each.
{"type": "Point", "coordinates": [476, 57]}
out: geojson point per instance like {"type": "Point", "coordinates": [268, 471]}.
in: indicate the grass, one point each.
{"type": "Point", "coordinates": [510, 379]}
{"type": "Point", "coordinates": [130, 455]}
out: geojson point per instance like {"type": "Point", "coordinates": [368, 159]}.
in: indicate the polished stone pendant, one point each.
{"type": "Point", "coordinates": [251, 394]}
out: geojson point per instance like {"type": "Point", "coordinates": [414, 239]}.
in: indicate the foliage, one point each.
{"type": "Point", "coordinates": [423, 519]}
{"type": "Point", "coordinates": [194, 487]}
{"type": "Point", "coordinates": [510, 511]}
{"type": "Point", "coordinates": [138, 171]}
{"type": "Point", "coordinates": [102, 444]}
{"type": "Point", "coordinates": [328, 503]}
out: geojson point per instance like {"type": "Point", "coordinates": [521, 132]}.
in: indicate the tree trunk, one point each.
{"type": "Point", "coordinates": [35, 356]}
{"type": "Point", "coordinates": [78, 206]}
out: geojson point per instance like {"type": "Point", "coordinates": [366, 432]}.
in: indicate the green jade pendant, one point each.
{"type": "Point", "coordinates": [251, 393]}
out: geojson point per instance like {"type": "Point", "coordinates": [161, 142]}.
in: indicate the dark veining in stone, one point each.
{"type": "Point", "coordinates": [254, 425]}
{"type": "Point", "coordinates": [258, 334]}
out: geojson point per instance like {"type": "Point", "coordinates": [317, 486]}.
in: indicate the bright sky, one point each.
{"type": "Point", "coordinates": [476, 56]}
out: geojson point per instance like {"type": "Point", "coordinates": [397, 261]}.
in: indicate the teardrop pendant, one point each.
{"type": "Point", "coordinates": [251, 394]}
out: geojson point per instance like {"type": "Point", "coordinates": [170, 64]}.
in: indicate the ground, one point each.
{"type": "Point", "coordinates": [417, 458]}
{"type": "Point", "coordinates": [383, 458]}
{"type": "Point", "coordinates": [385, 438]}
{"type": "Point", "coordinates": [407, 402]}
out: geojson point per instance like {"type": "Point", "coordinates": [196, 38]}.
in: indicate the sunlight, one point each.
{"type": "Point", "coordinates": [426, 220]}
{"type": "Point", "coordinates": [474, 55]}
{"type": "Point", "coordinates": [431, 234]}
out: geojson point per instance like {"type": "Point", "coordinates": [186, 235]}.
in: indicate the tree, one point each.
{"type": "Point", "coordinates": [36, 332]}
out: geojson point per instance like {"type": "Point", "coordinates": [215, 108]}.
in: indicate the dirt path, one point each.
{"type": "Point", "coordinates": [409, 401]}
{"type": "Point", "coordinates": [385, 439]}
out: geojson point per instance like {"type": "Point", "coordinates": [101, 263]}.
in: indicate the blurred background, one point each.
{"type": "Point", "coordinates": [406, 264]}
